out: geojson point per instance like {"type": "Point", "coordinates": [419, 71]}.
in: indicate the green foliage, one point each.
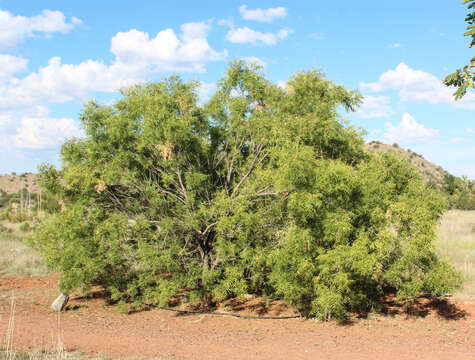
{"type": "Point", "coordinates": [25, 226]}
{"type": "Point", "coordinates": [460, 192]}
{"type": "Point", "coordinates": [464, 78]}
{"type": "Point", "coordinates": [262, 191]}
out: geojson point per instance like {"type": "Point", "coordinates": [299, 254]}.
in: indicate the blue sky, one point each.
{"type": "Point", "coordinates": [57, 55]}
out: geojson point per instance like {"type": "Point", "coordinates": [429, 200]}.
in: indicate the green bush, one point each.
{"type": "Point", "coordinates": [25, 226]}
{"type": "Point", "coordinates": [260, 191]}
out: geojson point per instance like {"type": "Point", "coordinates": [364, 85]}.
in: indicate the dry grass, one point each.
{"type": "Point", "coordinates": [47, 355]}
{"type": "Point", "coordinates": [16, 258]}
{"type": "Point", "coordinates": [456, 241]}
{"type": "Point", "coordinates": [8, 352]}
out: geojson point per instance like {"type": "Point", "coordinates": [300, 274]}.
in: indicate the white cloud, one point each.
{"type": "Point", "coordinates": [43, 132]}
{"type": "Point", "coordinates": [469, 130]}
{"type": "Point", "coordinates": [205, 89]}
{"type": "Point", "coordinates": [256, 60]}
{"type": "Point", "coordinates": [14, 29]}
{"type": "Point", "coordinates": [34, 128]}
{"type": "Point", "coordinates": [408, 131]}
{"type": "Point", "coordinates": [284, 33]}
{"type": "Point", "coordinates": [394, 46]}
{"type": "Point", "coordinates": [246, 35]}
{"type": "Point", "coordinates": [166, 52]}
{"type": "Point", "coordinates": [226, 22]}
{"type": "Point", "coordinates": [10, 65]}
{"type": "Point", "coordinates": [137, 57]}
{"type": "Point", "coordinates": [282, 84]}
{"type": "Point", "coordinates": [262, 15]}
{"type": "Point", "coordinates": [315, 36]}
{"type": "Point", "coordinates": [375, 107]}
{"type": "Point", "coordinates": [418, 86]}
{"type": "Point", "coordinates": [25, 122]}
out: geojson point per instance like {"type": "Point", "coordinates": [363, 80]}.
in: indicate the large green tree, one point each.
{"type": "Point", "coordinates": [261, 190]}
{"type": "Point", "coordinates": [464, 78]}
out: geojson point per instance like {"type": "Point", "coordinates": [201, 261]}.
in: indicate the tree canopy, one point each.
{"type": "Point", "coordinates": [464, 78]}
{"type": "Point", "coordinates": [262, 191]}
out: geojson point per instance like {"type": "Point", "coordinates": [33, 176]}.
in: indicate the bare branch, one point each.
{"type": "Point", "coordinates": [254, 164]}
{"type": "Point", "coordinates": [207, 228]}
{"type": "Point", "coordinates": [162, 190]}
{"type": "Point", "coordinates": [183, 190]}
{"type": "Point", "coordinates": [267, 193]}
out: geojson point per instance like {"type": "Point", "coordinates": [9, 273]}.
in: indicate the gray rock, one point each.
{"type": "Point", "coordinates": [60, 302]}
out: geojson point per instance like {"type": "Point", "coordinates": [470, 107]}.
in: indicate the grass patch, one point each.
{"type": "Point", "coordinates": [45, 355]}
{"type": "Point", "coordinates": [17, 258]}
{"type": "Point", "coordinates": [456, 241]}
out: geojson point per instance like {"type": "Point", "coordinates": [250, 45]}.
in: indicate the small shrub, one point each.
{"type": "Point", "coordinates": [25, 226]}
{"type": "Point", "coordinates": [5, 229]}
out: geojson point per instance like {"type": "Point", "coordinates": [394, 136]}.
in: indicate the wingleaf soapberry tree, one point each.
{"type": "Point", "coordinates": [262, 190]}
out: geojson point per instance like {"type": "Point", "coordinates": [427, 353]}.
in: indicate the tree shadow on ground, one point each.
{"type": "Point", "coordinates": [258, 306]}
{"type": "Point", "coordinates": [421, 308]}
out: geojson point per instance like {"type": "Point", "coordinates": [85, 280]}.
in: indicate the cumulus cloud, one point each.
{"type": "Point", "coordinates": [408, 131]}
{"type": "Point", "coordinates": [469, 130]}
{"type": "Point", "coordinates": [43, 132]}
{"type": "Point", "coordinates": [34, 128]}
{"type": "Point", "coordinates": [256, 60]}
{"type": "Point", "coordinates": [24, 124]}
{"type": "Point", "coordinates": [14, 29]}
{"type": "Point", "coordinates": [205, 90]}
{"type": "Point", "coordinates": [394, 46]}
{"type": "Point", "coordinates": [166, 52]}
{"type": "Point", "coordinates": [418, 86]}
{"type": "Point", "coordinates": [282, 84]}
{"type": "Point", "coordinates": [262, 15]}
{"type": "Point", "coordinates": [137, 57]}
{"type": "Point", "coordinates": [10, 65]}
{"type": "Point", "coordinates": [245, 35]}
{"type": "Point", "coordinates": [375, 107]}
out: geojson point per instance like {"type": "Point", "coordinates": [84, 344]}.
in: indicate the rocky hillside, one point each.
{"type": "Point", "coordinates": [431, 172]}
{"type": "Point", "coordinates": [13, 183]}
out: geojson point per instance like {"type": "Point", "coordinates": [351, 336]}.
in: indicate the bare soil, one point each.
{"type": "Point", "coordinates": [432, 329]}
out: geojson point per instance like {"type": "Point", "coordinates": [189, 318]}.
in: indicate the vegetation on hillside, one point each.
{"type": "Point", "coordinates": [261, 190]}
{"type": "Point", "coordinates": [459, 191]}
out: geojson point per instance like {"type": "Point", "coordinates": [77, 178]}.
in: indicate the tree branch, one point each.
{"type": "Point", "coordinates": [207, 228]}
{"type": "Point", "coordinates": [183, 190]}
{"type": "Point", "coordinates": [254, 164]}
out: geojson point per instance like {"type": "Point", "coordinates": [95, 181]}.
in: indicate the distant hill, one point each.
{"type": "Point", "coordinates": [431, 172]}
{"type": "Point", "coordinates": [13, 183]}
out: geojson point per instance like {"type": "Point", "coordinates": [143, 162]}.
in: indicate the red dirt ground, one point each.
{"type": "Point", "coordinates": [433, 330]}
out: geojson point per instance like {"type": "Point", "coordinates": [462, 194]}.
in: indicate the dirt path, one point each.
{"type": "Point", "coordinates": [440, 331]}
